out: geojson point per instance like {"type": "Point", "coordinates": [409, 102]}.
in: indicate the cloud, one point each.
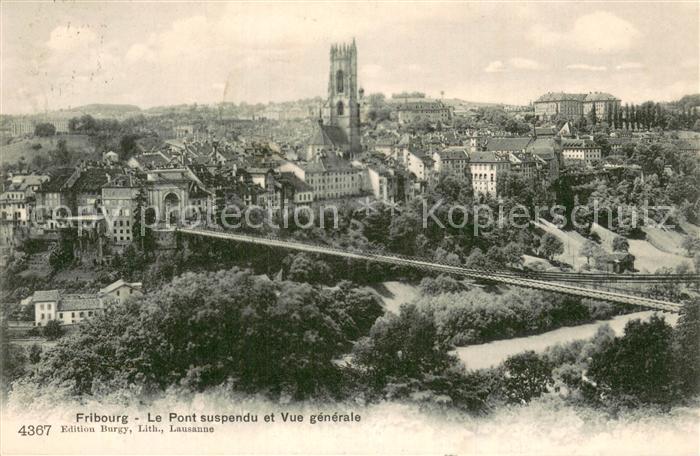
{"type": "Point", "coordinates": [515, 63]}
{"type": "Point", "coordinates": [585, 67]}
{"type": "Point", "coordinates": [596, 32]}
{"type": "Point", "coordinates": [70, 37]}
{"type": "Point", "coordinates": [629, 66]}
{"type": "Point", "coordinates": [495, 67]}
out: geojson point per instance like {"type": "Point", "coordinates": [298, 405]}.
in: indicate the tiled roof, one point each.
{"type": "Point", "coordinates": [120, 283]}
{"type": "Point", "coordinates": [488, 157]}
{"type": "Point", "coordinates": [151, 160]}
{"type": "Point", "coordinates": [298, 184]}
{"type": "Point", "coordinates": [578, 143]}
{"type": "Point", "coordinates": [560, 96]}
{"type": "Point", "coordinates": [57, 178]}
{"type": "Point", "coordinates": [507, 144]}
{"type": "Point", "coordinates": [600, 96]}
{"type": "Point", "coordinates": [45, 295]}
{"type": "Point", "coordinates": [453, 153]}
{"type": "Point", "coordinates": [92, 179]}
{"type": "Point", "coordinates": [79, 302]}
{"type": "Point", "coordinates": [328, 136]}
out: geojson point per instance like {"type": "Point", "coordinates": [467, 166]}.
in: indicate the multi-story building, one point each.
{"type": "Point", "coordinates": [413, 109]}
{"type": "Point", "coordinates": [330, 178]}
{"type": "Point", "coordinates": [486, 168]}
{"type": "Point", "coordinates": [574, 105]}
{"type": "Point", "coordinates": [418, 163]}
{"type": "Point", "coordinates": [547, 152]}
{"type": "Point", "coordinates": [70, 309]}
{"type": "Point", "coordinates": [451, 159]}
{"type": "Point", "coordinates": [18, 193]}
{"type": "Point", "coordinates": [119, 200]}
{"type": "Point", "coordinates": [508, 145]}
{"type": "Point", "coordinates": [580, 151]}
{"type": "Point", "coordinates": [605, 105]}
{"type": "Point", "coordinates": [552, 104]}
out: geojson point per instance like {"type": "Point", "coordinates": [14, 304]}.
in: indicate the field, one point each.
{"type": "Point", "coordinates": [647, 257]}
{"type": "Point", "coordinates": [11, 153]}
{"type": "Point", "coordinates": [572, 244]}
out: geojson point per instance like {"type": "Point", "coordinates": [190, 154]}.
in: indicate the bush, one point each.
{"type": "Point", "coordinates": [52, 330]}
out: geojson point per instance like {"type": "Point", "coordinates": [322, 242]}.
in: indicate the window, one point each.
{"type": "Point", "coordinates": [82, 314]}
{"type": "Point", "coordinates": [341, 108]}
{"type": "Point", "coordinates": [42, 316]}
{"type": "Point", "coordinates": [41, 307]}
{"type": "Point", "coordinates": [60, 315]}
{"type": "Point", "coordinates": [117, 292]}
{"type": "Point", "coordinates": [72, 314]}
{"type": "Point", "coordinates": [339, 82]}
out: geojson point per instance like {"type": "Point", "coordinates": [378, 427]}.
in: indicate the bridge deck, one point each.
{"type": "Point", "coordinates": [501, 277]}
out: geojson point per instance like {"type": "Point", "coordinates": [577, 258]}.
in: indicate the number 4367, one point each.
{"type": "Point", "coordinates": [31, 430]}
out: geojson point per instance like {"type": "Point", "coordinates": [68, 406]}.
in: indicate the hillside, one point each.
{"type": "Point", "coordinates": [11, 153]}
{"type": "Point", "coordinates": [648, 258]}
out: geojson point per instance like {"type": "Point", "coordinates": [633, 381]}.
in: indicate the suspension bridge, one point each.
{"type": "Point", "coordinates": [574, 284]}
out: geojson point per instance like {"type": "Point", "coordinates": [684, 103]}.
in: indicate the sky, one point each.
{"type": "Point", "coordinates": [56, 55]}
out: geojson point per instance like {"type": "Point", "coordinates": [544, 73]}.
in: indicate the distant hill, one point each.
{"type": "Point", "coordinates": [469, 104]}
{"type": "Point", "coordinates": [105, 109]}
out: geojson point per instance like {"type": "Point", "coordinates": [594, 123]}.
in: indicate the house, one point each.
{"type": "Point", "coordinates": [72, 308]}
{"type": "Point", "coordinates": [412, 109]}
{"type": "Point", "coordinates": [119, 201]}
{"type": "Point", "coordinates": [110, 157]}
{"type": "Point", "coordinates": [122, 290]}
{"type": "Point", "coordinates": [330, 176]}
{"type": "Point", "coordinates": [486, 168]}
{"type": "Point", "coordinates": [580, 151]}
{"type": "Point", "coordinates": [616, 262]}
{"type": "Point", "coordinates": [508, 145]}
{"type": "Point", "coordinates": [149, 160]}
{"type": "Point", "coordinates": [18, 195]}
{"type": "Point", "coordinates": [451, 159]}
{"type": "Point", "coordinates": [547, 152]}
{"type": "Point", "coordinates": [418, 163]}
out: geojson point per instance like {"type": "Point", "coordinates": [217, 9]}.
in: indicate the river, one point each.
{"type": "Point", "coordinates": [494, 353]}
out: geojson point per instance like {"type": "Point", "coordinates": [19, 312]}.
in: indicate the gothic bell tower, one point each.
{"type": "Point", "coordinates": [342, 108]}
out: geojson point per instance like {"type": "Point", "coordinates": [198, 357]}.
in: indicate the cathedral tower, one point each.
{"type": "Point", "coordinates": [342, 108]}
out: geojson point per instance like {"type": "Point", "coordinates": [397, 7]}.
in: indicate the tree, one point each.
{"type": "Point", "coordinates": [143, 216]}
{"type": "Point", "coordinates": [620, 244]}
{"type": "Point", "coordinates": [592, 116]}
{"type": "Point", "coordinates": [527, 375]}
{"type": "Point", "coordinates": [686, 339]}
{"type": "Point", "coordinates": [589, 249]}
{"type": "Point", "coordinates": [53, 330]}
{"type": "Point", "coordinates": [691, 244]}
{"type": "Point", "coordinates": [550, 245]}
{"type": "Point", "coordinates": [639, 364]}
{"type": "Point", "coordinates": [44, 129]}
{"type": "Point", "coordinates": [61, 155]}
{"type": "Point", "coordinates": [404, 346]}
{"type": "Point", "coordinates": [305, 269]}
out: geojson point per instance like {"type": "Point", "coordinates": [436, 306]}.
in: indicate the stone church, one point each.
{"type": "Point", "coordinates": [338, 129]}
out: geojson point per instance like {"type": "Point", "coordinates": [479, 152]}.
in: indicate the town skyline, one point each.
{"type": "Point", "coordinates": [209, 53]}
